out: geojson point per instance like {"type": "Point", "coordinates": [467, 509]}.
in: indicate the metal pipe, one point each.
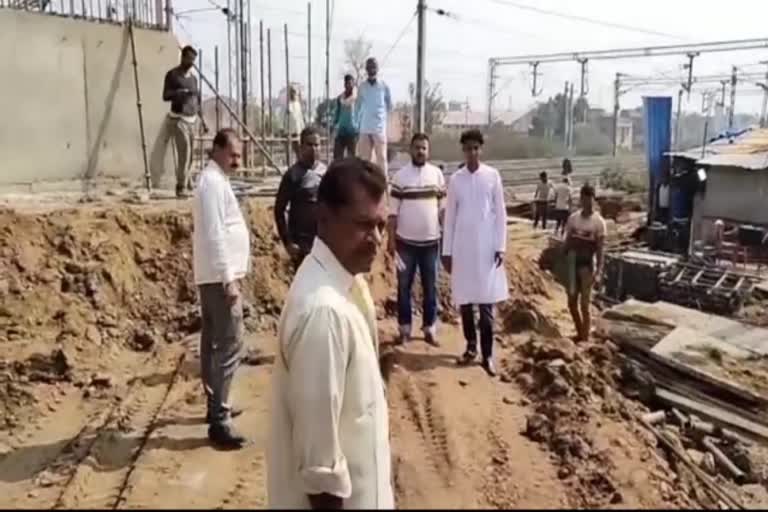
{"type": "Point", "coordinates": [327, 79]}
{"type": "Point", "coordinates": [732, 111]}
{"type": "Point", "coordinates": [309, 62]}
{"type": "Point", "coordinates": [200, 103]}
{"type": "Point", "coordinates": [216, 81]}
{"type": "Point", "coordinates": [653, 418]}
{"type": "Point", "coordinates": [269, 80]}
{"type": "Point", "coordinates": [233, 115]}
{"type": "Point", "coordinates": [244, 73]}
{"type": "Point", "coordinates": [145, 161]}
{"type": "Point", "coordinates": [616, 107]}
{"type": "Point", "coordinates": [230, 96]}
{"type": "Point", "coordinates": [287, 100]}
{"type": "Point", "coordinates": [724, 462]}
{"type": "Point", "coordinates": [261, 80]}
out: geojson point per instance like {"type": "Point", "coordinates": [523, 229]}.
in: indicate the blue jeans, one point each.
{"type": "Point", "coordinates": [425, 258]}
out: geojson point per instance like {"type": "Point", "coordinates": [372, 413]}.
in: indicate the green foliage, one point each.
{"type": "Point", "coordinates": [617, 179]}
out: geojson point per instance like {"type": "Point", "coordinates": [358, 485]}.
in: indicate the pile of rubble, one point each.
{"type": "Point", "coordinates": [573, 391]}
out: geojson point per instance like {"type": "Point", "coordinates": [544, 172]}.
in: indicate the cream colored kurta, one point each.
{"type": "Point", "coordinates": [330, 423]}
{"type": "Point", "coordinates": [475, 230]}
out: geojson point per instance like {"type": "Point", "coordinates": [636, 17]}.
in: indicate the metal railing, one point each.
{"type": "Point", "coordinates": [152, 14]}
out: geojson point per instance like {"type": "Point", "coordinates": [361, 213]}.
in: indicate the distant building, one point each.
{"type": "Point", "coordinates": [456, 121]}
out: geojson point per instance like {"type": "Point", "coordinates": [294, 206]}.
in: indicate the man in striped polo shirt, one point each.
{"type": "Point", "coordinates": [416, 205]}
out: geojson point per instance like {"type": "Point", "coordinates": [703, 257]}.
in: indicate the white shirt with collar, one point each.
{"type": "Point", "coordinates": [220, 241]}
{"type": "Point", "coordinates": [330, 421]}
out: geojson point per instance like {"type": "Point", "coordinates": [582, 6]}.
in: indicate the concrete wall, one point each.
{"type": "Point", "coordinates": [736, 196]}
{"type": "Point", "coordinates": [68, 100]}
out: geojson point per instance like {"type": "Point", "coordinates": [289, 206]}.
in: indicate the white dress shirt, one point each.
{"type": "Point", "coordinates": [330, 423]}
{"type": "Point", "coordinates": [220, 242]}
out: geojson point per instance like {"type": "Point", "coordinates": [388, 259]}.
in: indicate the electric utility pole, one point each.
{"type": "Point", "coordinates": [421, 12]}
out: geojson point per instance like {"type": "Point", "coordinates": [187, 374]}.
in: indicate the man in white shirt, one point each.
{"type": "Point", "coordinates": [584, 240]}
{"type": "Point", "coordinates": [663, 200]}
{"type": "Point", "coordinates": [295, 120]}
{"type": "Point", "coordinates": [415, 208]}
{"type": "Point", "coordinates": [563, 204]}
{"type": "Point", "coordinates": [474, 243]}
{"type": "Point", "coordinates": [221, 256]}
{"type": "Point", "coordinates": [541, 201]}
{"type": "Point", "coordinates": [372, 108]}
{"type": "Point", "coordinates": [329, 440]}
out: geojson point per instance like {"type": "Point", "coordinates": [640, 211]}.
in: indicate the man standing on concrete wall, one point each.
{"type": "Point", "coordinates": [181, 90]}
{"type": "Point", "coordinates": [344, 127]}
{"type": "Point", "coordinates": [373, 105]}
{"type": "Point", "coordinates": [221, 256]}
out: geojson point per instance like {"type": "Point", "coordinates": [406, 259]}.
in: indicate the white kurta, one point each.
{"type": "Point", "coordinates": [330, 422]}
{"type": "Point", "coordinates": [475, 230]}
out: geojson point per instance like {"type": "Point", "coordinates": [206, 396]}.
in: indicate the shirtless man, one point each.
{"type": "Point", "coordinates": [584, 239]}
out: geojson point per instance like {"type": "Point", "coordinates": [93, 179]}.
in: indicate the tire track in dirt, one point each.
{"type": "Point", "coordinates": [54, 469]}
{"type": "Point", "coordinates": [179, 460]}
{"type": "Point", "coordinates": [99, 478]}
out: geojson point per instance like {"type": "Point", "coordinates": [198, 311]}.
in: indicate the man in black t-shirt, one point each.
{"type": "Point", "coordinates": [181, 90]}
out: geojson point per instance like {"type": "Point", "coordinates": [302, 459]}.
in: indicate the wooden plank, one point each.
{"type": "Point", "coordinates": [713, 413]}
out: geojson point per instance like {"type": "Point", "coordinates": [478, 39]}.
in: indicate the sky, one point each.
{"type": "Point", "coordinates": [459, 45]}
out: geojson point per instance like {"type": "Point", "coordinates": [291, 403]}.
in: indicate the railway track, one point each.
{"type": "Point", "coordinates": [514, 173]}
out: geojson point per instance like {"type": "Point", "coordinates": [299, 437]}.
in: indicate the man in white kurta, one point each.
{"type": "Point", "coordinates": [474, 243]}
{"type": "Point", "coordinates": [329, 445]}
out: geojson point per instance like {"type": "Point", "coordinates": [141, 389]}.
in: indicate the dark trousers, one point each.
{"type": "Point", "coordinates": [423, 258]}
{"type": "Point", "coordinates": [662, 215]}
{"type": "Point", "coordinates": [486, 328]}
{"type": "Point", "coordinates": [540, 211]}
{"type": "Point", "coordinates": [344, 144]}
{"type": "Point", "coordinates": [221, 343]}
{"type": "Point", "coordinates": [561, 217]}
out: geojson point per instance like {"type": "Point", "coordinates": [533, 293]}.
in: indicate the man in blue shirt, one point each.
{"type": "Point", "coordinates": [344, 121]}
{"type": "Point", "coordinates": [373, 105]}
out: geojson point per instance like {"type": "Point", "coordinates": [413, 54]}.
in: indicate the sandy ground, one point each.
{"type": "Point", "coordinates": [102, 405]}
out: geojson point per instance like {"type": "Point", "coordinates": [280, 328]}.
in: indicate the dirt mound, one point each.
{"type": "Point", "coordinates": [89, 280]}
{"type": "Point", "coordinates": [584, 421]}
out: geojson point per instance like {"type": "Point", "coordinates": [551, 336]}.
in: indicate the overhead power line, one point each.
{"type": "Point", "coordinates": [584, 19]}
{"type": "Point", "coordinates": [399, 38]}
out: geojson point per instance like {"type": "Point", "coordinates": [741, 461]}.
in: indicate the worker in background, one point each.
{"type": "Point", "coordinates": [294, 120]}
{"type": "Point", "coordinates": [563, 204]}
{"type": "Point", "coordinates": [662, 201]}
{"type": "Point", "coordinates": [373, 105]}
{"type": "Point", "coordinates": [567, 169]}
{"type": "Point", "coordinates": [344, 127]}
{"type": "Point", "coordinates": [180, 88]}
{"type": "Point", "coordinates": [329, 441]}
{"type": "Point", "coordinates": [541, 201]}
{"type": "Point", "coordinates": [584, 240]}
{"type": "Point", "coordinates": [474, 243]}
{"type": "Point", "coordinates": [221, 256]}
{"type": "Point", "coordinates": [298, 193]}
{"type": "Point", "coordinates": [415, 214]}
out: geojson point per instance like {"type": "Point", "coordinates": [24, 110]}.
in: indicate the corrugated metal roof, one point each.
{"type": "Point", "coordinates": [747, 150]}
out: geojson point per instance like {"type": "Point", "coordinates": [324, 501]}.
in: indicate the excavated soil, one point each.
{"type": "Point", "coordinates": [102, 406]}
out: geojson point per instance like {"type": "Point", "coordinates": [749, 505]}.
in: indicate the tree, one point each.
{"type": "Point", "coordinates": [356, 51]}
{"type": "Point", "coordinates": [435, 107]}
